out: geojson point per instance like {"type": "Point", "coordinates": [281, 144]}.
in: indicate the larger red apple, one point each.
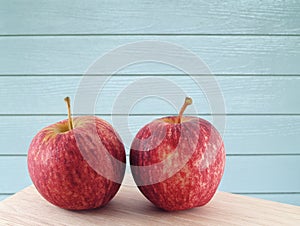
{"type": "Point", "coordinates": [77, 163]}
{"type": "Point", "coordinates": [178, 162]}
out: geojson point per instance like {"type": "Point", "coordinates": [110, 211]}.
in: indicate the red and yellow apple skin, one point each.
{"type": "Point", "coordinates": [194, 146]}
{"type": "Point", "coordinates": [64, 164]}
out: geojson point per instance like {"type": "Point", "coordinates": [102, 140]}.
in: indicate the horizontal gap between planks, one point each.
{"type": "Point", "coordinates": [239, 193]}
{"type": "Point", "coordinates": [165, 114]}
{"type": "Point", "coordinates": [13, 155]}
{"type": "Point", "coordinates": [154, 75]}
{"type": "Point", "coordinates": [266, 193]}
{"type": "Point", "coordinates": [228, 155]}
{"type": "Point", "coordinates": [148, 34]}
{"type": "Point", "coordinates": [262, 154]}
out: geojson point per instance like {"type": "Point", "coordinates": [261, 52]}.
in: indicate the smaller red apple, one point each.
{"type": "Point", "coordinates": [77, 163]}
{"type": "Point", "coordinates": [178, 162]}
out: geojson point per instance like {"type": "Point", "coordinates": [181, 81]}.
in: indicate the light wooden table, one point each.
{"type": "Point", "coordinates": [129, 207]}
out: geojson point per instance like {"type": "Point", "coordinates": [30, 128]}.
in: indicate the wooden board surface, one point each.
{"type": "Point", "coordinates": [148, 17]}
{"type": "Point", "coordinates": [129, 207]}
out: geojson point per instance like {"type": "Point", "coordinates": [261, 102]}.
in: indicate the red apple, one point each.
{"type": "Point", "coordinates": [77, 163]}
{"type": "Point", "coordinates": [178, 162]}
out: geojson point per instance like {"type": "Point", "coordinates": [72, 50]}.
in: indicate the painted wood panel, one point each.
{"type": "Point", "coordinates": [148, 17]}
{"type": "Point", "coordinates": [242, 174]}
{"type": "Point", "coordinates": [293, 199]}
{"type": "Point", "coordinates": [253, 47]}
{"type": "Point", "coordinates": [223, 54]}
{"type": "Point", "coordinates": [13, 174]}
{"type": "Point", "coordinates": [242, 94]}
{"type": "Point", "coordinates": [243, 134]}
{"type": "Point", "coordinates": [261, 174]}
{"type": "Point", "coordinates": [2, 197]}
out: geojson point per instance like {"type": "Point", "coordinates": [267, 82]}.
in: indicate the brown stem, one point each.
{"type": "Point", "coordinates": [67, 100]}
{"type": "Point", "coordinates": [188, 101]}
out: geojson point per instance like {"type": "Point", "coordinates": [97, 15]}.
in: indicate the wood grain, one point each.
{"type": "Point", "coordinates": [288, 198]}
{"type": "Point", "coordinates": [129, 207]}
{"type": "Point", "coordinates": [146, 17]}
{"type": "Point", "coordinates": [241, 94]}
{"type": "Point", "coordinates": [248, 174]}
{"type": "Point", "coordinates": [223, 54]}
{"type": "Point", "coordinates": [243, 135]}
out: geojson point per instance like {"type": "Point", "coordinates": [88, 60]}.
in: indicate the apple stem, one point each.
{"type": "Point", "coordinates": [188, 101]}
{"type": "Point", "coordinates": [67, 100]}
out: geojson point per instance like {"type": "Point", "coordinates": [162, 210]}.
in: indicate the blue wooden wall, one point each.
{"type": "Point", "coordinates": [253, 48]}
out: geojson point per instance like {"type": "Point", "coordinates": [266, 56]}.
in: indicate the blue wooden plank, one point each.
{"type": "Point", "coordinates": [147, 17]}
{"type": "Point", "coordinates": [222, 54]}
{"type": "Point", "coordinates": [2, 197]}
{"type": "Point", "coordinates": [293, 199]}
{"type": "Point", "coordinates": [13, 174]}
{"type": "Point", "coordinates": [261, 174]}
{"type": "Point", "coordinates": [242, 174]}
{"type": "Point", "coordinates": [242, 94]}
{"type": "Point", "coordinates": [243, 134]}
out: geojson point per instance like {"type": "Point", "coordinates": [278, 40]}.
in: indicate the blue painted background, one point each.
{"type": "Point", "coordinates": [253, 48]}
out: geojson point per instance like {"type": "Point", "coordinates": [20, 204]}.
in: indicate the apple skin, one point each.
{"type": "Point", "coordinates": [64, 165]}
{"type": "Point", "coordinates": [162, 145]}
